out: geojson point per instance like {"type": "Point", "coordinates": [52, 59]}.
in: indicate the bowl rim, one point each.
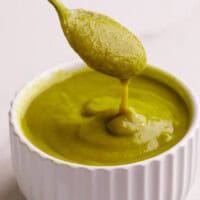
{"type": "Point", "coordinates": [75, 65]}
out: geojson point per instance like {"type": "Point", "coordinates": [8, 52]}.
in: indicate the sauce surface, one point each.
{"type": "Point", "coordinates": [68, 120]}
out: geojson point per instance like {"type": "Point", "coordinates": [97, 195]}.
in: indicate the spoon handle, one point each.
{"type": "Point", "coordinates": [60, 8]}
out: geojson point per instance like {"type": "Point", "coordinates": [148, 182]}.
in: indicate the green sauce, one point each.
{"type": "Point", "coordinates": [69, 120]}
{"type": "Point", "coordinates": [85, 119]}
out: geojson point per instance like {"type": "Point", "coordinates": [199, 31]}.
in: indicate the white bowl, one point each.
{"type": "Point", "coordinates": [167, 176]}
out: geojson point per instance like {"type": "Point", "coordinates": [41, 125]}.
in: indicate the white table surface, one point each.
{"type": "Point", "coordinates": [31, 41]}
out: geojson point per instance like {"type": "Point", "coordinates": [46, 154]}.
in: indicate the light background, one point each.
{"type": "Point", "coordinates": [31, 41]}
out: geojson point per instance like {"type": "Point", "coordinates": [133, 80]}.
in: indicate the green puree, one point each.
{"type": "Point", "coordinates": [68, 120]}
{"type": "Point", "coordinates": [85, 118]}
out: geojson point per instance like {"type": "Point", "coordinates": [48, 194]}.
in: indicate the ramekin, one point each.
{"type": "Point", "coordinates": [167, 176]}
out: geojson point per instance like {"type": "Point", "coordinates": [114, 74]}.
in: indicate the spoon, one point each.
{"type": "Point", "coordinates": [104, 44]}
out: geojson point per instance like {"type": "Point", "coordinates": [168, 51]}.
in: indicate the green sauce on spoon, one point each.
{"type": "Point", "coordinates": [101, 42]}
